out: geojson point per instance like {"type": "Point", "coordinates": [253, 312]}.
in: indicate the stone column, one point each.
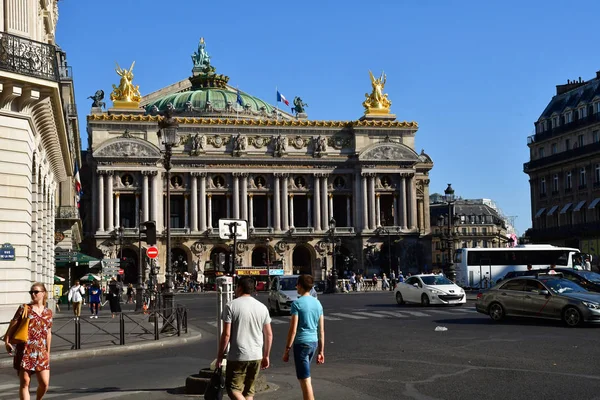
{"type": "Point", "coordinates": [137, 210]}
{"type": "Point", "coordinates": [365, 203]}
{"type": "Point", "coordinates": [426, 215]}
{"type": "Point", "coordinates": [276, 205]}
{"type": "Point", "coordinates": [209, 211]}
{"type": "Point", "coordinates": [421, 224]}
{"type": "Point", "coordinates": [40, 238]}
{"type": "Point", "coordinates": [244, 196]}
{"type": "Point", "coordinates": [203, 210]}
{"type": "Point", "coordinates": [194, 205]}
{"type": "Point", "coordinates": [251, 210]}
{"type": "Point", "coordinates": [309, 201]}
{"type": "Point", "coordinates": [378, 210]}
{"type": "Point", "coordinates": [402, 201]}
{"type": "Point", "coordinates": [284, 203]}
{"type": "Point", "coordinates": [236, 195]}
{"type": "Point", "coordinates": [291, 200]}
{"type": "Point", "coordinates": [269, 212]}
{"type": "Point", "coordinates": [317, 200]}
{"type": "Point", "coordinates": [101, 201]}
{"type": "Point", "coordinates": [395, 209]}
{"type": "Point", "coordinates": [155, 199]}
{"type": "Point", "coordinates": [34, 223]}
{"type": "Point", "coordinates": [228, 204]}
{"type": "Point", "coordinates": [324, 202]}
{"type": "Point", "coordinates": [349, 210]}
{"type": "Point", "coordinates": [110, 209]}
{"type": "Point", "coordinates": [331, 205]}
{"type": "Point", "coordinates": [412, 201]}
{"type": "Point", "coordinates": [186, 210]}
{"type": "Point", "coordinates": [372, 204]}
{"type": "Point", "coordinates": [117, 210]}
{"type": "Point", "coordinates": [145, 193]}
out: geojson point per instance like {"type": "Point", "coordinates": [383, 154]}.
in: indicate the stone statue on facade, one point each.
{"type": "Point", "coordinates": [126, 91]}
{"type": "Point", "coordinates": [321, 144]}
{"type": "Point", "coordinates": [98, 97]}
{"type": "Point", "coordinates": [377, 102]}
{"type": "Point", "coordinates": [197, 144]}
{"type": "Point", "coordinates": [299, 106]}
{"type": "Point", "coordinates": [239, 144]}
{"type": "Point", "coordinates": [280, 145]}
{"type": "Point", "coordinates": [201, 59]}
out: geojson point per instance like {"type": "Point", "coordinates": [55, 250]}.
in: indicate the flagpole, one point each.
{"type": "Point", "coordinates": [237, 110]}
{"type": "Point", "coordinates": [276, 104]}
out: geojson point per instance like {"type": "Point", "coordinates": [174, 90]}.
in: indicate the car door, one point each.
{"type": "Point", "coordinates": [511, 295]}
{"type": "Point", "coordinates": [536, 304]}
{"type": "Point", "coordinates": [412, 293]}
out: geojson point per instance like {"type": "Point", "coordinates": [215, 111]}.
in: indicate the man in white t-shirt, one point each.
{"type": "Point", "coordinates": [247, 328]}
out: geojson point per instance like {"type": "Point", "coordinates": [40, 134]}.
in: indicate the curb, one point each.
{"type": "Point", "coordinates": [192, 336]}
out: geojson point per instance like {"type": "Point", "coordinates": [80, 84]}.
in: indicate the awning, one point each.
{"type": "Point", "coordinates": [579, 205]}
{"type": "Point", "coordinates": [566, 208]}
{"type": "Point", "coordinates": [594, 203]}
{"type": "Point", "coordinates": [79, 258]}
{"type": "Point", "coordinates": [540, 212]}
{"type": "Point", "coordinates": [552, 210]}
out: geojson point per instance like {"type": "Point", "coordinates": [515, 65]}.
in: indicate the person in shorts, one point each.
{"type": "Point", "coordinates": [306, 335]}
{"type": "Point", "coordinates": [247, 328]}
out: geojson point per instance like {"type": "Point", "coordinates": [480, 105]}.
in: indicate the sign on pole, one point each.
{"type": "Point", "coordinates": [226, 229]}
{"type": "Point", "coordinates": [152, 252]}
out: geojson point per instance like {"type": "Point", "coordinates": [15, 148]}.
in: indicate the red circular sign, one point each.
{"type": "Point", "coordinates": [152, 252]}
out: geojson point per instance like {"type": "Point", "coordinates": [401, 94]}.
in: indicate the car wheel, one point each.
{"type": "Point", "coordinates": [399, 298]}
{"type": "Point", "coordinates": [496, 312]}
{"type": "Point", "coordinates": [572, 317]}
{"type": "Point", "coordinates": [425, 300]}
{"type": "Point", "coordinates": [277, 309]}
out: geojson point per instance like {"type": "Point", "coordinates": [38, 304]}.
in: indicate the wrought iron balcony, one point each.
{"type": "Point", "coordinates": [67, 212]}
{"type": "Point", "coordinates": [65, 73]}
{"type": "Point", "coordinates": [28, 57]}
{"type": "Point", "coordinates": [550, 133]}
{"type": "Point", "coordinates": [568, 155]}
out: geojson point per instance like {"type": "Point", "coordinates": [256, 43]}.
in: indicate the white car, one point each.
{"type": "Point", "coordinates": [429, 289]}
{"type": "Point", "coordinates": [283, 292]}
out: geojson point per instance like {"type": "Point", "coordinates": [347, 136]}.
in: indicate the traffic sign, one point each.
{"type": "Point", "coordinates": [121, 271]}
{"type": "Point", "coordinates": [226, 228]}
{"type": "Point", "coordinates": [152, 252]}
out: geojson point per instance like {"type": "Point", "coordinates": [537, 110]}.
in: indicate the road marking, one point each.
{"type": "Point", "coordinates": [465, 310]}
{"type": "Point", "coordinates": [440, 312]}
{"type": "Point", "coordinates": [8, 386]}
{"type": "Point", "coordinates": [328, 318]}
{"type": "Point", "coordinates": [351, 316]}
{"type": "Point", "coordinates": [392, 313]}
{"type": "Point", "coordinates": [213, 323]}
{"type": "Point", "coordinates": [278, 321]}
{"type": "Point", "coordinates": [106, 395]}
{"type": "Point", "coordinates": [416, 313]}
{"type": "Point", "coordinates": [370, 314]}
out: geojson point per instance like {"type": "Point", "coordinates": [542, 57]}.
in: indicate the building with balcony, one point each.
{"type": "Point", "coordinates": [564, 168]}
{"type": "Point", "coordinates": [473, 223]}
{"type": "Point", "coordinates": [241, 157]}
{"type": "Point", "coordinates": [39, 148]}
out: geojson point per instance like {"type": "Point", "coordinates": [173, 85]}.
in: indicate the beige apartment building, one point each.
{"type": "Point", "coordinates": [39, 147]}
{"type": "Point", "coordinates": [564, 168]}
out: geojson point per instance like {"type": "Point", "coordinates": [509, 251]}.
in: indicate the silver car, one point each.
{"type": "Point", "coordinates": [544, 296]}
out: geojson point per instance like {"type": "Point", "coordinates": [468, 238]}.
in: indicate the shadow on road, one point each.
{"type": "Point", "coordinates": [511, 321]}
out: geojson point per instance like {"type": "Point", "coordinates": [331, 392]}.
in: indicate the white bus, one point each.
{"type": "Point", "coordinates": [482, 267]}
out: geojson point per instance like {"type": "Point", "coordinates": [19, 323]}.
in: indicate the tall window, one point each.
{"type": "Point", "coordinates": [580, 140]}
{"type": "Point", "coordinates": [567, 144]}
{"type": "Point", "coordinates": [568, 117]}
{"type": "Point", "coordinates": [540, 152]}
{"type": "Point", "coordinates": [597, 173]}
{"type": "Point", "coordinates": [582, 112]}
{"type": "Point", "coordinates": [554, 148]}
{"type": "Point", "coordinates": [555, 183]}
{"type": "Point", "coordinates": [554, 122]}
{"type": "Point", "coordinates": [598, 107]}
{"type": "Point", "coordinates": [568, 181]}
{"type": "Point", "coordinates": [582, 177]}
{"type": "Point", "coordinates": [596, 136]}
{"type": "Point", "coordinates": [543, 186]}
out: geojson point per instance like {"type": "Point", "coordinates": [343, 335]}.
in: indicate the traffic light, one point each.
{"type": "Point", "coordinates": [148, 232]}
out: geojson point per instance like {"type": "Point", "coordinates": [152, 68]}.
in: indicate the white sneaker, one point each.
{"type": "Point", "coordinates": [96, 316]}
{"type": "Point", "coordinates": [91, 316]}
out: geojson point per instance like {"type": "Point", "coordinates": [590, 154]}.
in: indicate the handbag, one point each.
{"type": "Point", "coordinates": [21, 333]}
{"type": "Point", "coordinates": [216, 386]}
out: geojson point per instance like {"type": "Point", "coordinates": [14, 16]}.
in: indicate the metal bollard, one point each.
{"type": "Point", "coordinates": [156, 330]}
{"type": "Point", "coordinates": [178, 313]}
{"type": "Point", "coordinates": [224, 296]}
{"type": "Point", "coordinates": [121, 329]}
{"type": "Point", "coordinates": [77, 334]}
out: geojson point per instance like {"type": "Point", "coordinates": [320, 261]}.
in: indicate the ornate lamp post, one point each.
{"type": "Point", "coordinates": [167, 133]}
{"type": "Point", "coordinates": [450, 199]}
{"type": "Point", "coordinates": [381, 230]}
{"type": "Point", "coordinates": [334, 273]}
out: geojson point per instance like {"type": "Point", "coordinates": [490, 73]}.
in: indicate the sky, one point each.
{"type": "Point", "coordinates": [474, 74]}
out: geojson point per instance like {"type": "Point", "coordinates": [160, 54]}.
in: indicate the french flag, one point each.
{"type": "Point", "coordinates": [281, 98]}
{"type": "Point", "coordinates": [77, 185]}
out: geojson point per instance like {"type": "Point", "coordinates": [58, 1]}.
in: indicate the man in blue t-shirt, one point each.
{"type": "Point", "coordinates": [306, 334]}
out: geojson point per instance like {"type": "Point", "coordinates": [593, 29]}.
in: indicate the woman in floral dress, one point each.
{"type": "Point", "coordinates": [33, 357]}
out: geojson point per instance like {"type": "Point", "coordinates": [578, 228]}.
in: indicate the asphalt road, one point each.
{"type": "Point", "coordinates": [375, 350]}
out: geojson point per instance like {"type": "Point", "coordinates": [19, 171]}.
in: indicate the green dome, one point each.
{"type": "Point", "coordinates": [197, 102]}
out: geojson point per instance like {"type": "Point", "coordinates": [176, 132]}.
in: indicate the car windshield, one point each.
{"type": "Point", "coordinates": [289, 284]}
{"type": "Point", "coordinates": [563, 286]}
{"type": "Point", "coordinates": [590, 276]}
{"type": "Point", "coordinates": [436, 280]}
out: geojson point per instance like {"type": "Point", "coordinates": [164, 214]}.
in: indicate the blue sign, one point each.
{"type": "Point", "coordinates": [7, 252]}
{"type": "Point", "coordinates": [275, 272]}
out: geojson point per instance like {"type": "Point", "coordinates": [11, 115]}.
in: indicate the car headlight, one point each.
{"type": "Point", "coordinates": [462, 291]}
{"type": "Point", "coordinates": [594, 306]}
{"type": "Point", "coordinates": [435, 291]}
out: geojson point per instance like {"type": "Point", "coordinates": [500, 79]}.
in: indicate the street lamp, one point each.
{"type": "Point", "coordinates": [334, 273]}
{"type": "Point", "coordinates": [450, 199]}
{"type": "Point", "coordinates": [167, 133]}
{"type": "Point", "coordinates": [382, 230]}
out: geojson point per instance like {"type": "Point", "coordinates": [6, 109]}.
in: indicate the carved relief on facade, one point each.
{"type": "Point", "coordinates": [281, 247]}
{"type": "Point", "coordinates": [218, 141]}
{"type": "Point", "coordinates": [198, 248]}
{"type": "Point", "coordinates": [298, 142]}
{"type": "Point", "coordinates": [389, 151]}
{"type": "Point", "coordinates": [258, 182]}
{"type": "Point", "coordinates": [128, 147]}
{"type": "Point", "coordinates": [258, 141]}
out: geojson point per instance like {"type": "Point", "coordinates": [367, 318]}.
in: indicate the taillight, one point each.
{"type": "Point", "coordinates": [479, 296]}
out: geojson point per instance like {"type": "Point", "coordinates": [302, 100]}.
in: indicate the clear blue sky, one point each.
{"type": "Point", "coordinates": [473, 74]}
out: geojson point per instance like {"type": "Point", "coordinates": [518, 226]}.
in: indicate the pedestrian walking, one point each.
{"type": "Point", "coordinates": [130, 294]}
{"type": "Point", "coordinates": [384, 282]}
{"type": "Point", "coordinates": [392, 280]}
{"type": "Point", "coordinates": [113, 296]}
{"type": "Point", "coordinates": [247, 329]}
{"type": "Point", "coordinates": [588, 264]}
{"type": "Point", "coordinates": [306, 335]}
{"type": "Point", "coordinates": [76, 297]}
{"type": "Point", "coordinates": [95, 299]}
{"type": "Point", "coordinates": [33, 355]}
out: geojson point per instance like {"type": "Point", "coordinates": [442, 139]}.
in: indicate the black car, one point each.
{"type": "Point", "coordinates": [586, 279]}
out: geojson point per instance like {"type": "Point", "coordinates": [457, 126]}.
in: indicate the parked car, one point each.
{"type": "Point", "coordinates": [429, 289]}
{"type": "Point", "coordinates": [587, 279]}
{"type": "Point", "coordinates": [283, 292]}
{"type": "Point", "coordinates": [543, 296]}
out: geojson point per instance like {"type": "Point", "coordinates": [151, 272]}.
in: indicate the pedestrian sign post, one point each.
{"type": "Point", "coordinates": [236, 229]}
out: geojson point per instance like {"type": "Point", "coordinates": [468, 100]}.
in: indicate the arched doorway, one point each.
{"type": "Point", "coordinates": [129, 264]}
{"type": "Point", "coordinates": [345, 261]}
{"type": "Point", "coordinates": [388, 259]}
{"type": "Point", "coordinates": [263, 256]}
{"type": "Point", "coordinates": [302, 260]}
{"type": "Point", "coordinates": [221, 259]}
{"type": "Point", "coordinates": [179, 261]}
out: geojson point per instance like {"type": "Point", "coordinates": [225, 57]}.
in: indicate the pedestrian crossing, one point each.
{"type": "Point", "coordinates": [10, 391]}
{"type": "Point", "coordinates": [362, 314]}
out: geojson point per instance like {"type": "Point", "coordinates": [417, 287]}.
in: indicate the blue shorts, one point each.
{"type": "Point", "coordinates": [303, 356]}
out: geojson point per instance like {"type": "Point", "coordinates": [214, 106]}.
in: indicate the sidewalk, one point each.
{"type": "Point", "coordinates": [102, 336]}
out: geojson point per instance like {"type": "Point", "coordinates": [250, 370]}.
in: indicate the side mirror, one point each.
{"type": "Point", "coordinates": [544, 292]}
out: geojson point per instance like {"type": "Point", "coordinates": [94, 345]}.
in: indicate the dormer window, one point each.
{"type": "Point", "coordinates": [554, 122]}
{"type": "Point", "coordinates": [544, 126]}
{"type": "Point", "coordinates": [568, 117]}
{"type": "Point", "coordinates": [582, 112]}
{"type": "Point", "coordinates": [598, 107]}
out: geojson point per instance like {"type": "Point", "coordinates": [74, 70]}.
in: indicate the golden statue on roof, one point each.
{"type": "Point", "coordinates": [377, 102]}
{"type": "Point", "coordinates": [126, 95]}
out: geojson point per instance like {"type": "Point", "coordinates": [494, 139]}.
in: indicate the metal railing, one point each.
{"type": "Point", "coordinates": [563, 156]}
{"type": "Point", "coordinates": [28, 57]}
